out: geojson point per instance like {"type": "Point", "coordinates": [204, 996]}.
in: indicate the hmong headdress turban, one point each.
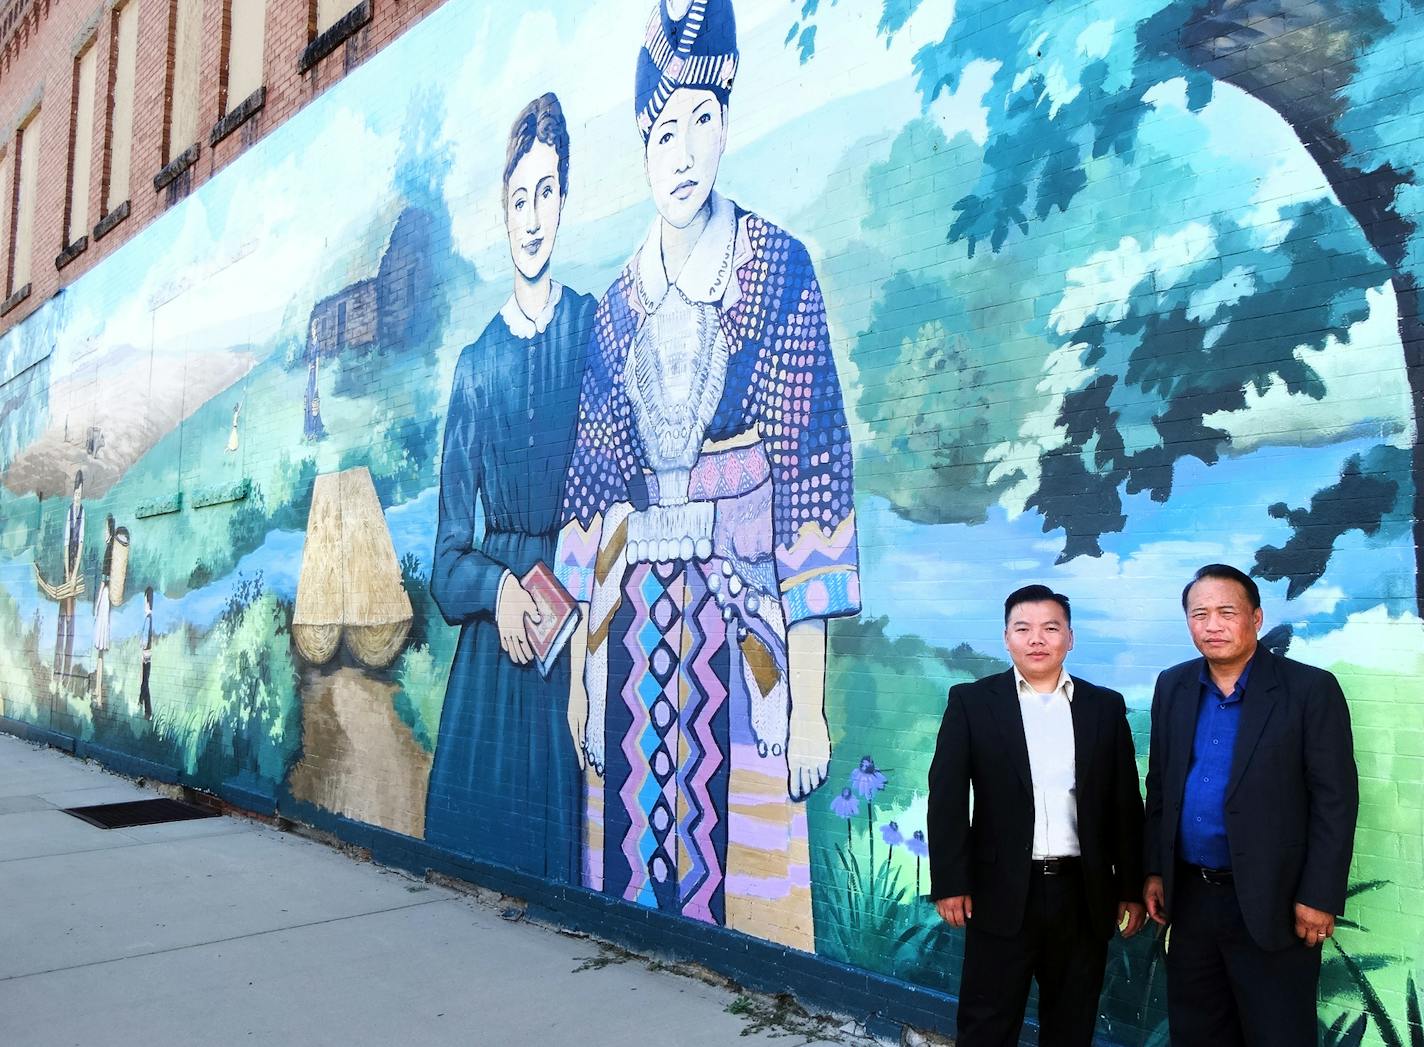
{"type": "Point", "coordinates": [698, 50]}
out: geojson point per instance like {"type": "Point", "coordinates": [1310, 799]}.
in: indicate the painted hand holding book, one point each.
{"type": "Point", "coordinates": [558, 615]}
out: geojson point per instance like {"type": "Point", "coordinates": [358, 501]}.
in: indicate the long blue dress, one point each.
{"type": "Point", "coordinates": [505, 786]}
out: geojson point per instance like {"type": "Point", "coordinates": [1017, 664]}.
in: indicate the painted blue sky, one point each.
{"type": "Point", "coordinates": [240, 263]}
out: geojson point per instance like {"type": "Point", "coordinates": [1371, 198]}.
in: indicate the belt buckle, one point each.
{"type": "Point", "coordinates": [1048, 866]}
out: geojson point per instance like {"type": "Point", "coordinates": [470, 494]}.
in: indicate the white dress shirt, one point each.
{"type": "Point", "coordinates": [1048, 729]}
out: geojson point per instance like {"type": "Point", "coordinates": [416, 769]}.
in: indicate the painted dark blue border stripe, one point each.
{"type": "Point", "coordinates": [31, 733]}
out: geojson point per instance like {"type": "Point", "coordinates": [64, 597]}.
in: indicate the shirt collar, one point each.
{"type": "Point", "coordinates": [526, 327]}
{"type": "Point", "coordinates": [708, 269]}
{"type": "Point", "coordinates": [1064, 684]}
{"type": "Point", "coordinates": [1237, 692]}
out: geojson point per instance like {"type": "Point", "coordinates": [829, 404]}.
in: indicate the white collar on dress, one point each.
{"type": "Point", "coordinates": [522, 326]}
{"type": "Point", "coordinates": [1065, 684]}
{"type": "Point", "coordinates": [709, 268]}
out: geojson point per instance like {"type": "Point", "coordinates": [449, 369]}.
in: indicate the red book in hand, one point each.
{"type": "Point", "coordinates": [558, 615]}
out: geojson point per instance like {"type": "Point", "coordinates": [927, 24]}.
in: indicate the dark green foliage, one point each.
{"type": "Point", "coordinates": [926, 396]}
{"type": "Point", "coordinates": [870, 920]}
{"type": "Point", "coordinates": [1365, 498]}
{"type": "Point", "coordinates": [245, 591]}
{"type": "Point", "coordinates": [1346, 976]}
{"type": "Point", "coordinates": [1343, 1032]}
{"type": "Point", "coordinates": [260, 718]}
{"type": "Point", "coordinates": [422, 605]}
{"type": "Point", "coordinates": [1056, 108]}
{"type": "Point", "coordinates": [1176, 362]}
{"type": "Point", "coordinates": [248, 526]}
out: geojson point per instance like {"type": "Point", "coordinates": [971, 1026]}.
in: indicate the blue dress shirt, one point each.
{"type": "Point", "coordinates": [1203, 827]}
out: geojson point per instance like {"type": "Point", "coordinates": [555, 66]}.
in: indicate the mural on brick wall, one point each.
{"type": "Point", "coordinates": [600, 467]}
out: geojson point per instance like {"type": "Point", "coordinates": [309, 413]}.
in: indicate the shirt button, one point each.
{"type": "Point", "coordinates": [1206, 779]}
{"type": "Point", "coordinates": [1215, 742]}
{"type": "Point", "coordinates": [1198, 820]}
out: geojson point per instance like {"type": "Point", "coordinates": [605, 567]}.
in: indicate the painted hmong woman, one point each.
{"type": "Point", "coordinates": [710, 526]}
{"type": "Point", "coordinates": [505, 784]}
{"type": "Point", "coordinates": [102, 604]}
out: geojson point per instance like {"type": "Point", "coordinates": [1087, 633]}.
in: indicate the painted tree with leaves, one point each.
{"type": "Point", "coordinates": [1071, 90]}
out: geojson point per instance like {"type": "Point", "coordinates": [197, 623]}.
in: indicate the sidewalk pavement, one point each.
{"type": "Point", "coordinates": [227, 931]}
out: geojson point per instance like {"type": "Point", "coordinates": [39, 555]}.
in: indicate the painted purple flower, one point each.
{"type": "Point", "coordinates": [890, 833]}
{"type": "Point", "coordinates": [916, 844]}
{"type": "Point", "coordinates": [845, 805]}
{"type": "Point", "coordinates": [866, 779]}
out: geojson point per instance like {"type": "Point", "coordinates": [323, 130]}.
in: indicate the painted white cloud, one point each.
{"type": "Point", "coordinates": [273, 239]}
{"type": "Point", "coordinates": [1101, 288]}
{"type": "Point", "coordinates": [1371, 639]}
{"type": "Point", "coordinates": [1364, 379]}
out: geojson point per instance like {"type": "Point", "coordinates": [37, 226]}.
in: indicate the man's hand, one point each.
{"type": "Point", "coordinates": [1155, 895]}
{"type": "Point", "coordinates": [954, 911]}
{"type": "Point", "coordinates": [1313, 926]}
{"type": "Point", "coordinates": [1130, 918]}
{"type": "Point", "coordinates": [512, 607]}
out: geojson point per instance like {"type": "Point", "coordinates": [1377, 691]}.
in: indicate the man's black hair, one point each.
{"type": "Point", "coordinates": [1037, 594]}
{"type": "Point", "coordinates": [1226, 573]}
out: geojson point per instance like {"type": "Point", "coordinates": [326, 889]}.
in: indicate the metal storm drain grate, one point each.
{"type": "Point", "coordinates": [138, 812]}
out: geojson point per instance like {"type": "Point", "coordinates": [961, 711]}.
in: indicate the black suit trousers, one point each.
{"type": "Point", "coordinates": [1224, 990]}
{"type": "Point", "coordinates": [1059, 947]}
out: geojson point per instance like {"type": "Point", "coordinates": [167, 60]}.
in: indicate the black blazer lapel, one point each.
{"type": "Point", "coordinates": [1186, 698]}
{"type": "Point", "coordinates": [1004, 701]}
{"type": "Point", "coordinates": [1085, 710]}
{"type": "Point", "coordinates": [1256, 706]}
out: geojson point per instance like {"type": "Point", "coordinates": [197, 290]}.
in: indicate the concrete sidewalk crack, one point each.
{"type": "Point", "coordinates": [133, 842]}
{"type": "Point", "coordinates": [224, 941]}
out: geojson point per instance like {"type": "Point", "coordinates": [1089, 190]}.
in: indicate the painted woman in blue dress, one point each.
{"type": "Point", "coordinates": [505, 784]}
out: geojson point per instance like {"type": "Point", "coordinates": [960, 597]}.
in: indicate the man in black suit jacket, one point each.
{"type": "Point", "coordinates": [1251, 802]}
{"type": "Point", "coordinates": [1050, 863]}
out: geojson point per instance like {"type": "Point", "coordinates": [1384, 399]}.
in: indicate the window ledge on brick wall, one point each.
{"type": "Point", "coordinates": [238, 115]}
{"type": "Point", "coordinates": [330, 40]}
{"type": "Point", "coordinates": [113, 218]}
{"type": "Point", "coordinates": [71, 252]}
{"type": "Point", "coordinates": [171, 170]}
{"type": "Point", "coordinates": [14, 300]}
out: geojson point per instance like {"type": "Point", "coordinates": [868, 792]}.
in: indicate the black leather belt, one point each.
{"type": "Point", "coordinates": [1055, 866]}
{"type": "Point", "coordinates": [1214, 877]}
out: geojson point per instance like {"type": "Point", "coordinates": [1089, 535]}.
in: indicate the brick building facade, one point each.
{"type": "Point", "coordinates": [302, 48]}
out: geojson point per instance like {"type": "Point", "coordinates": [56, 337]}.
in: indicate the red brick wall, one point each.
{"type": "Point", "coordinates": [37, 57]}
